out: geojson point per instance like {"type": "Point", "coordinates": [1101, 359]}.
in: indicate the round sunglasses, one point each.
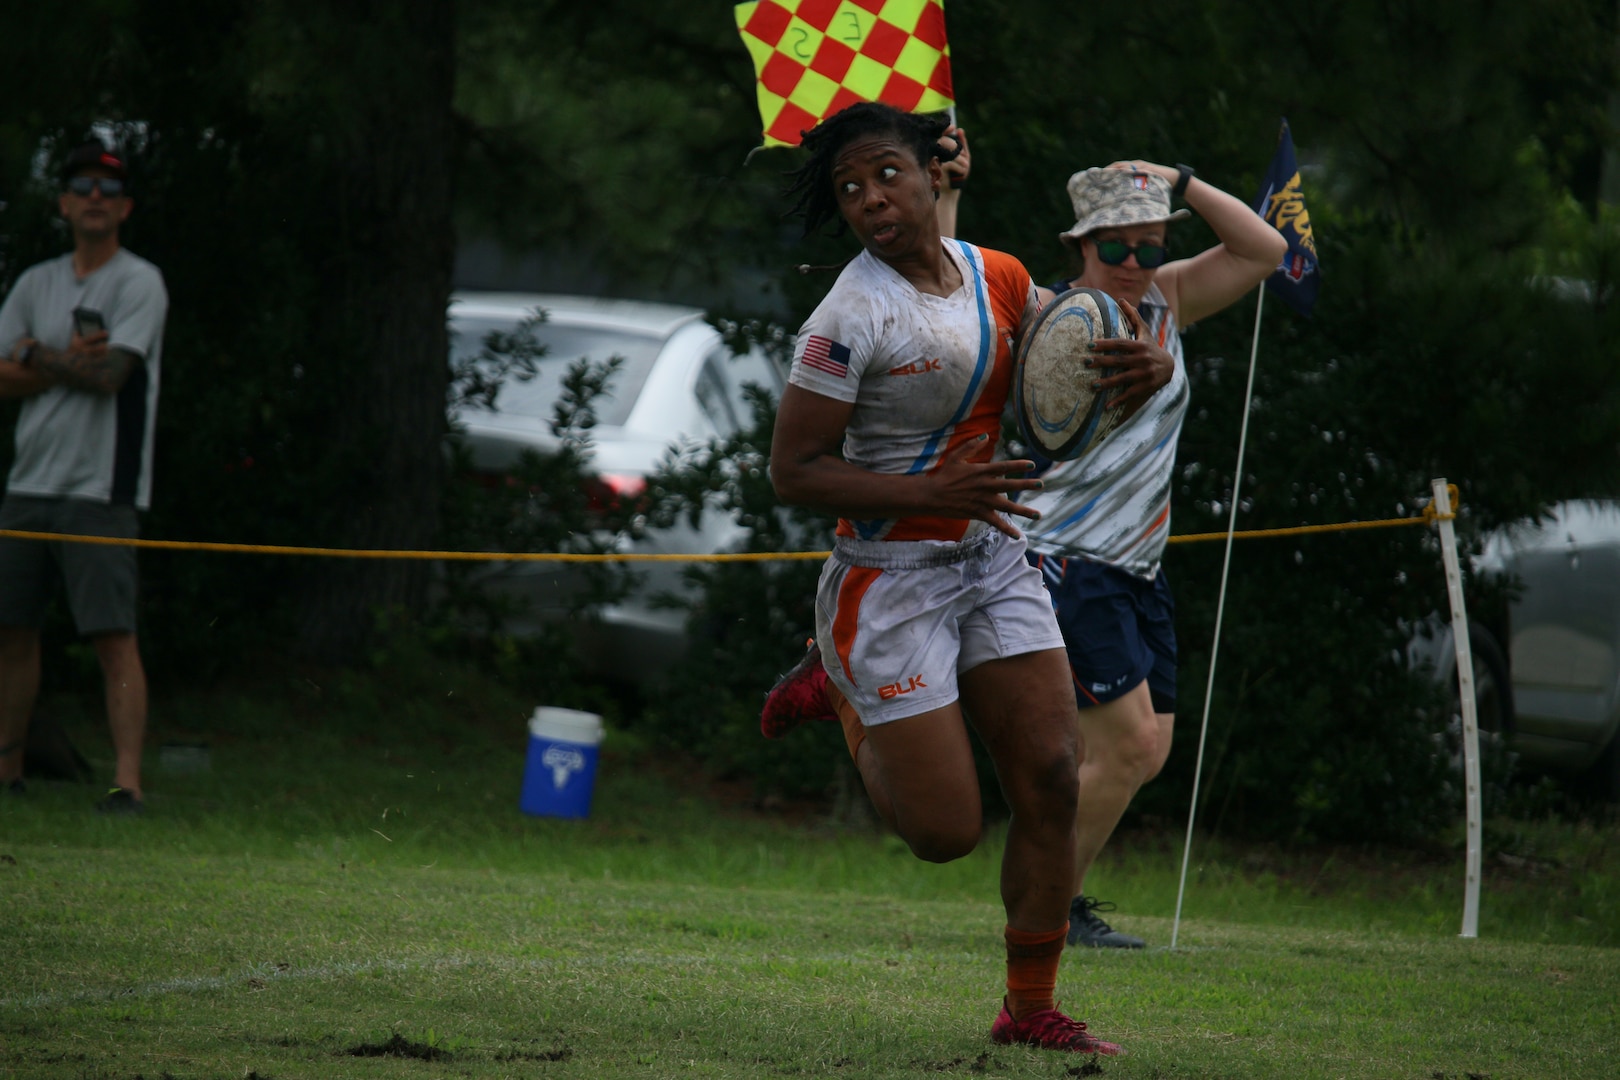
{"type": "Point", "coordinates": [1115, 252]}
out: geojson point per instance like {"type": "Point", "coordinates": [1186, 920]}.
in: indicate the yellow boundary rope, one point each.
{"type": "Point", "coordinates": [1428, 517]}
{"type": "Point", "coordinates": [1307, 530]}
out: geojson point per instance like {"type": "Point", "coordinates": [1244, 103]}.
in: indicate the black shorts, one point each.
{"type": "Point", "coordinates": [101, 579]}
{"type": "Point", "coordinates": [1118, 629]}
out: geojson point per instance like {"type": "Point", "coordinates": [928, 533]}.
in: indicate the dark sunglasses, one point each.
{"type": "Point", "coordinates": [82, 186]}
{"type": "Point", "coordinates": [1148, 256]}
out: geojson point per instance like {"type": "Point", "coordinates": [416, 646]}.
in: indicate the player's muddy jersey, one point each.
{"type": "Point", "coordinates": [1113, 504]}
{"type": "Point", "coordinates": [925, 373]}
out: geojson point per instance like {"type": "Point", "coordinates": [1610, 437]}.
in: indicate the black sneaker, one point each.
{"type": "Point", "coordinates": [15, 786]}
{"type": "Point", "coordinates": [1087, 928]}
{"type": "Point", "coordinates": [121, 802]}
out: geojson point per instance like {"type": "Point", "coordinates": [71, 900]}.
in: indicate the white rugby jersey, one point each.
{"type": "Point", "coordinates": [926, 373]}
{"type": "Point", "coordinates": [1113, 505]}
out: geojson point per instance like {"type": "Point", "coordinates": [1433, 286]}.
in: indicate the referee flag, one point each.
{"type": "Point", "coordinates": [1282, 203]}
{"type": "Point", "coordinates": [815, 57]}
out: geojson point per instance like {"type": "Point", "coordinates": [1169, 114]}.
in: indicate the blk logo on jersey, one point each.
{"type": "Point", "coordinates": [825, 354]}
{"type": "Point", "coordinates": [894, 690]}
{"type": "Point", "coordinates": [918, 367]}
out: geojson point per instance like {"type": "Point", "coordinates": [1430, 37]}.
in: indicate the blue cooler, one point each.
{"type": "Point", "coordinates": [562, 763]}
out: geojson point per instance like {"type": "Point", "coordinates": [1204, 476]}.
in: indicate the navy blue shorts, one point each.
{"type": "Point", "coordinates": [1118, 629]}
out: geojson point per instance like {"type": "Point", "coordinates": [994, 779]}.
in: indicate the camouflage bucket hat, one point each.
{"type": "Point", "coordinates": [1107, 198]}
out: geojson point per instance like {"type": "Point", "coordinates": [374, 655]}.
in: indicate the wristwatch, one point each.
{"type": "Point", "coordinates": [1184, 173]}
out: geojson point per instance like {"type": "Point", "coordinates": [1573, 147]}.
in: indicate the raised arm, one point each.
{"type": "Point", "coordinates": [956, 174]}
{"type": "Point", "coordinates": [1249, 250]}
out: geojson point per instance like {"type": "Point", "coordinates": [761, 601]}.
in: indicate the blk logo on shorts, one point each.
{"type": "Point", "coordinates": [894, 690]}
{"type": "Point", "coordinates": [1104, 688]}
{"type": "Point", "coordinates": [918, 367]}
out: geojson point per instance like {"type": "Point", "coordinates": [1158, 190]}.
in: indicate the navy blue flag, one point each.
{"type": "Point", "coordinates": [1282, 203]}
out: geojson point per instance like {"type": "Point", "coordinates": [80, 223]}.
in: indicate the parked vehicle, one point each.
{"type": "Point", "coordinates": [679, 383]}
{"type": "Point", "coordinates": [1553, 693]}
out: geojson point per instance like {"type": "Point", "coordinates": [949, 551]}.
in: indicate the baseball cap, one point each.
{"type": "Point", "coordinates": [93, 155]}
{"type": "Point", "coordinates": [1107, 198]}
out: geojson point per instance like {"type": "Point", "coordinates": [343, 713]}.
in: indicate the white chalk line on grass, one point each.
{"type": "Point", "coordinates": [267, 973]}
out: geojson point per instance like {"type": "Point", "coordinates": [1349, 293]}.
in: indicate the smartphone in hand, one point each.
{"type": "Point", "coordinates": [87, 321]}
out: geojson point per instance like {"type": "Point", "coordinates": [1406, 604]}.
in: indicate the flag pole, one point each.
{"type": "Point", "coordinates": [1220, 610]}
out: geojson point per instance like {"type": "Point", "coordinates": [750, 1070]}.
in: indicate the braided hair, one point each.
{"type": "Point", "coordinates": [812, 181]}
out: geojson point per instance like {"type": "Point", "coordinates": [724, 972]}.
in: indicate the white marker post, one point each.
{"type": "Point", "coordinates": [1220, 611]}
{"type": "Point", "coordinates": [1465, 691]}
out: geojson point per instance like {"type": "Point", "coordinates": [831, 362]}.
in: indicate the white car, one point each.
{"type": "Point", "coordinates": [680, 384]}
{"type": "Point", "coordinates": [1553, 693]}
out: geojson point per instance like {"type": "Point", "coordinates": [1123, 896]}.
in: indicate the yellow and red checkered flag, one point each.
{"type": "Point", "coordinates": [814, 57]}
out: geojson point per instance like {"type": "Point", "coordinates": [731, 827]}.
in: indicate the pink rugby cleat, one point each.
{"type": "Point", "coordinates": [1049, 1030]}
{"type": "Point", "coordinates": [798, 697]}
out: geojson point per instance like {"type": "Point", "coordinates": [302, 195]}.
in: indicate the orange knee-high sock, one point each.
{"type": "Point", "coordinates": [1032, 969]}
{"type": "Point", "coordinates": [854, 730]}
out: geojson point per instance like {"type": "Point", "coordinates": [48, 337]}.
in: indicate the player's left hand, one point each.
{"type": "Point", "coordinates": [1138, 369]}
{"type": "Point", "coordinates": [957, 169]}
{"type": "Point", "coordinates": [1140, 166]}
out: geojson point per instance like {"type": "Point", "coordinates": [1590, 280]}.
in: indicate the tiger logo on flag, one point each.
{"type": "Point", "coordinates": [1281, 202]}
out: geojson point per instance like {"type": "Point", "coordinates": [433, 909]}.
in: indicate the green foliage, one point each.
{"type": "Point", "coordinates": [752, 620]}
{"type": "Point", "coordinates": [545, 502]}
{"type": "Point", "coordinates": [624, 147]}
{"type": "Point", "coordinates": [1468, 372]}
{"type": "Point", "coordinates": [476, 379]}
{"type": "Point", "coordinates": [1452, 157]}
{"type": "Point", "coordinates": [1435, 351]}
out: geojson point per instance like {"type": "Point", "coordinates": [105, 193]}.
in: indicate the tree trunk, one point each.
{"type": "Point", "coordinates": [387, 269]}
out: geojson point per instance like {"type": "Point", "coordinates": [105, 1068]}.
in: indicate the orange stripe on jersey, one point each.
{"type": "Point", "coordinates": [1001, 298]}
{"type": "Point", "coordinates": [1007, 288]}
{"type": "Point", "coordinates": [944, 528]}
{"type": "Point", "coordinates": [1152, 525]}
{"type": "Point", "coordinates": [857, 580]}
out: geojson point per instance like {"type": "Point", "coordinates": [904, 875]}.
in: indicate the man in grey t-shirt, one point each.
{"type": "Point", "coordinates": [83, 334]}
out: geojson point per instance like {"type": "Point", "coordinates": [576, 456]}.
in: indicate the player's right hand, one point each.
{"type": "Point", "coordinates": [978, 490]}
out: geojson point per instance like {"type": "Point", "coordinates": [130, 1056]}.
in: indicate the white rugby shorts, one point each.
{"type": "Point", "coordinates": [898, 621]}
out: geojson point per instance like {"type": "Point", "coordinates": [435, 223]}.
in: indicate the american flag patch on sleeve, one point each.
{"type": "Point", "coordinates": [825, 354]}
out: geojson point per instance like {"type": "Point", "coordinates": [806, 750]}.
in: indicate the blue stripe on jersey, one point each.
{"type": "Point", "coordinates": [1086, 509]}
{"type": "Point", "coordinates": [986, 336]}
{"type": "Point", "coordinates": [1080, 513]}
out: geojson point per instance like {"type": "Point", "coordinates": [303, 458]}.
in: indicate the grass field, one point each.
{"type": "Point", "coordinates": [338, 896]}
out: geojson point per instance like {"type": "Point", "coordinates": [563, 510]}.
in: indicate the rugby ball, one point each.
{"type": "Point", "coordinates": [1060, 414]}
